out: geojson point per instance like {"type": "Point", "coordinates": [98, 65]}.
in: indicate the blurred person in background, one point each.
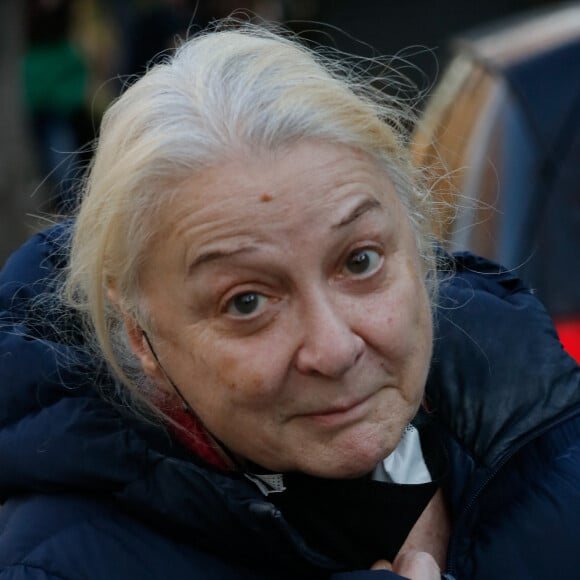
{"type": "Point", "coordinates": [56, 82]}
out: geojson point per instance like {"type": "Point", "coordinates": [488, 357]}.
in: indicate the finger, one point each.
{"type": "Point", "coordinates": [382, 565]}
{"type": "Point", "coordinates": [417, 566]}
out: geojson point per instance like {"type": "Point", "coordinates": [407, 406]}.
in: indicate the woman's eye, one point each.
{"type": "Point", "coordinates": [245, 304]}
{"type": "Point", "coordinates": [362, 261]}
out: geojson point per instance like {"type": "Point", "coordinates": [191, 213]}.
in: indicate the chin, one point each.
{"type": "Point", "coordinates": [340, 471]}
{"type": "Point", "coordinates": [350, 453]}
{"type": "Point", "coordinates": [355, 463]}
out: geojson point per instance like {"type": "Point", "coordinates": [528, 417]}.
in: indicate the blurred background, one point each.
{"type": "Point", "coordinates": [501, 108]}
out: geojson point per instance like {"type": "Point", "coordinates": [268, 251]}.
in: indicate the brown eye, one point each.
{"type": "Point", "coordinates": [362, 261]}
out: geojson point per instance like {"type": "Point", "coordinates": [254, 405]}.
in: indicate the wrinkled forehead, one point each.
{"type": "Point", "coordinates": [308, 180]}
{"type": "Point", "coordinates": [277, 198]}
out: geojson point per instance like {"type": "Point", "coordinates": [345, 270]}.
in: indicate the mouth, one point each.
{"type": "Point", "coordinates": [343, 413]}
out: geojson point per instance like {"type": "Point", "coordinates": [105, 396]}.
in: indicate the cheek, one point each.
{"type": "Point", "coordinates": [231, 374]}
{"type": "Point", "coordinates": [420, 347]}
{"type": "Point", "coordinates": [403, 333]}
{"type": "Point", "coordinates": [419, 337]}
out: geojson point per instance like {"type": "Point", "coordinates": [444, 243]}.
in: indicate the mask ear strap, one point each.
{"type": "Point", "coordinates": [187, 409]}
{"type": "Point", "coordinates": [184, 403]}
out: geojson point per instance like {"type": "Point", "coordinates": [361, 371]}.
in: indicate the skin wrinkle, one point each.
{"type": "Point", "coordinates": [210, 228]}
{"type": "Point", "coordinates": [325, 336]}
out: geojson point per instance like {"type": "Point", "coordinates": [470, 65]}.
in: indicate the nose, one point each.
{"type": "Point", "coordinates": [329, 345]}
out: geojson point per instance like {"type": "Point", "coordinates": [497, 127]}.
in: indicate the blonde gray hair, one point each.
{"type": "Point", "coordinates": [231, 90]}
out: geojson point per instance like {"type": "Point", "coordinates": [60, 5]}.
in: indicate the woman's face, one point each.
{"type": "Point", "coordinates": [289, 308]}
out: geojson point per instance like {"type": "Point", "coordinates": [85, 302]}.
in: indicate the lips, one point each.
{"type": "Point", "coordinates": [341, 413]}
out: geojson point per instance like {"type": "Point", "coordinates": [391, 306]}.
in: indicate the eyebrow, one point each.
{"type": "Point", "coordinates": [359, 210]}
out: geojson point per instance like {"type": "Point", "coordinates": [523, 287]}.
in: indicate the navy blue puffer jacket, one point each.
{"type": "Point", "coordinates": [92, 492]}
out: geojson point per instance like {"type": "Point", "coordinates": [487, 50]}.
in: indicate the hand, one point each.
{"type": "Point", "coordinates": [413, 565]}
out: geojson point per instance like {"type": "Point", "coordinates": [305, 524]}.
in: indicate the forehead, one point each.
{"type": "Point", "coordinates": [274, 196]}
{"type": "Point", "coordinates": [304, 176]}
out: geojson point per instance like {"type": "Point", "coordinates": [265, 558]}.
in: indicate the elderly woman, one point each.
{"type": "Point", "coordinates": [236, 378]}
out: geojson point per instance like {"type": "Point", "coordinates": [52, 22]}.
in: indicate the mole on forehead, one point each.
{"type": "Point", "coordinates": [266, 197]}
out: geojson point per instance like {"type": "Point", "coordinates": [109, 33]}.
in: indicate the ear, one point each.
{"type": "Point", "coordinates": [138, 342]}
{"type": "Point", "coordinates": [142, 351]}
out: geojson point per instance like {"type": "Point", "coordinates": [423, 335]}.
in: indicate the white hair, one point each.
{"type": "Point", "coordinates": [224, 92]}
